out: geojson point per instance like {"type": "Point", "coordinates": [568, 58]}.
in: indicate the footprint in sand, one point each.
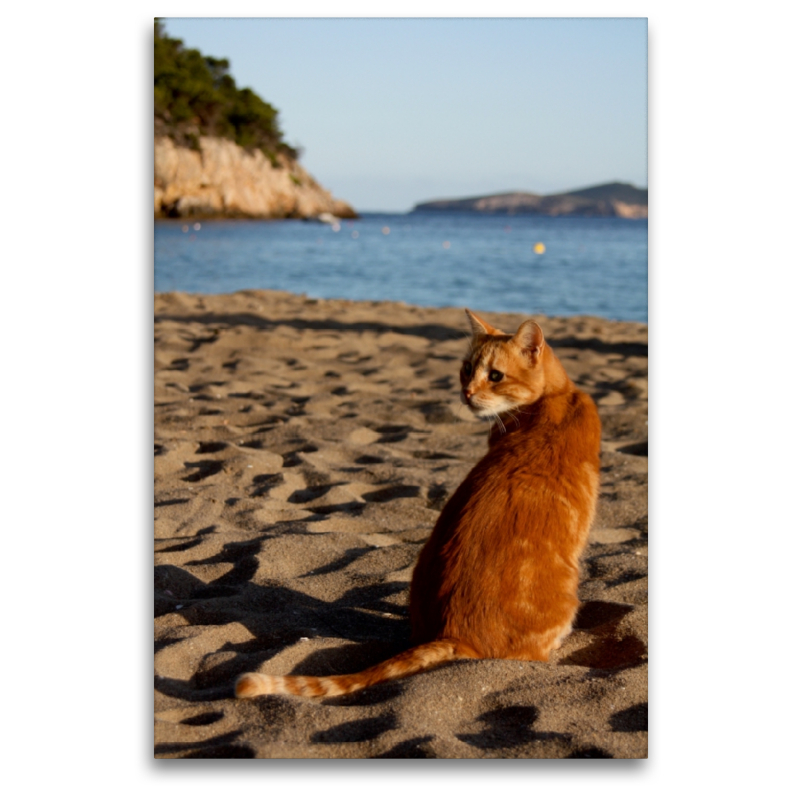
{"type": "Point", "coordinates": [631, 719]}
{"type": "Point", "coordinates": [610, 649]}
{"type": "Point", "coordinates": [205, 469]}
{"type": "Point", "coordinates": [369, 460]}
{"type": "Point", "coordinates": [211, 447]}
{"type": "Point", "coordinates": [393, 433]}
{"type": "Point", "coordinates": [310, 493]}
{"type": "Point", "coordinates": [264, 483]}
{"type": "Point", "coordinates": [391, 493]}
{"type": "Point", "coordinates": [635, 449]}
{"type": "Point", "coordinates": [294, 459]}
{"type": "Point", "coordinates": [506, 727]}
{"type": "Point", "coordinates": [357, 731]}
{"type": "Point", "coordinates": [610, 653]}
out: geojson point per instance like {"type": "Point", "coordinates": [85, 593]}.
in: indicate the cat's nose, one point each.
{"type": "Point", "coordinates": [467, 394]}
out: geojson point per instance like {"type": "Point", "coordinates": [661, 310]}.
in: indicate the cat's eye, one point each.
{"type": "Point", "coordinates": [495, 376]}
{"type": "Point", "coordinates": [467, 368]}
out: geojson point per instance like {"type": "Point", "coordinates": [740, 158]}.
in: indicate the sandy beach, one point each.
{"type": "Point", "coordinates": [303, 451]}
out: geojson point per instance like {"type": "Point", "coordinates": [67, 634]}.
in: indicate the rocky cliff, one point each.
{"type": "Point", "coordinates": [222, 179]}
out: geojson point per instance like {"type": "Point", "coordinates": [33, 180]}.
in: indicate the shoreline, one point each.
{"type": "Point", "coordinates": [304, 448]}
{"type": "Point", "coordinates": [277, 297]}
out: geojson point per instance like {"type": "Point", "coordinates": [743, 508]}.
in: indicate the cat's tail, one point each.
{"type": "Point", "coordinates": [418, 659]}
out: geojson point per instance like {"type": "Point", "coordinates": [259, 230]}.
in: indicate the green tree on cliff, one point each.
{"type": "Point", "coordinates": [195, 95]}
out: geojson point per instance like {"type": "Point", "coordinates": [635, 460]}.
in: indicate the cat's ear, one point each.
{"type": "Point", "coordinates": [479, 327]}
{"type": "Point", "coordinates": [529, 337]}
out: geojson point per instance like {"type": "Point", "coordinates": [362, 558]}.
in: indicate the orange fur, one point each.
{"type": "Point", "coordinates": [498, 577]}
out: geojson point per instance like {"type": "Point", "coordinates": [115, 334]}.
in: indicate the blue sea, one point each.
{"type": "Point", "coordinates": [588, 266]}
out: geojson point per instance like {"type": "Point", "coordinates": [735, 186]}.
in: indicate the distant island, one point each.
{"type": "Point", "coordinates": [606, 200]}
{"type": "Point", "coordinates": [218, 149]}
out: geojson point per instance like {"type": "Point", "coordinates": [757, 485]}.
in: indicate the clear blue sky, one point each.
{"type": "Point", "coordinates": [391, 112]}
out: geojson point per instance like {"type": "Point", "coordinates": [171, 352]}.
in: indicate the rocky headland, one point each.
{"type": "Point", "coordinates": [606, 200]}
{"type": "Point", "coordinates": [221, 179]}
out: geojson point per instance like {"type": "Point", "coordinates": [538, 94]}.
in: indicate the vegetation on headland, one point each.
{"type": "Point", "coordinates": [196, 96]}
{"type": "Point", "coordinates": [607, 200]}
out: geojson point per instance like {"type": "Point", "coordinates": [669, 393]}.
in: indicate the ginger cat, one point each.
{"type": "Point", "coordinates": [498, 577]}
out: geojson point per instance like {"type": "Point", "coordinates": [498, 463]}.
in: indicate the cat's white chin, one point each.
{"type": "Point", "coordinates": [487, 412]}
{"type": "Point", "coordinates": [483, 413]}
{"type": "Point", "coordinates": [494, 411]}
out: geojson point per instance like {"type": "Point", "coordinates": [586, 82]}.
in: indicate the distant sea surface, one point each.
{"type": "Point", "coordinates": [588, 266]}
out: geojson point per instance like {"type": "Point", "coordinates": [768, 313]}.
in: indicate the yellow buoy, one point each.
{"type": "Point", "coordinates": [538, 248]}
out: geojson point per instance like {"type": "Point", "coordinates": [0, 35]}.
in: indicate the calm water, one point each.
{"type": "Point", "coordinates": [590, 266]}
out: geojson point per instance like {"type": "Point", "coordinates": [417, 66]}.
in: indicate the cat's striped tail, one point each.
{"type": "Point", "coordinates": [418, 659]}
